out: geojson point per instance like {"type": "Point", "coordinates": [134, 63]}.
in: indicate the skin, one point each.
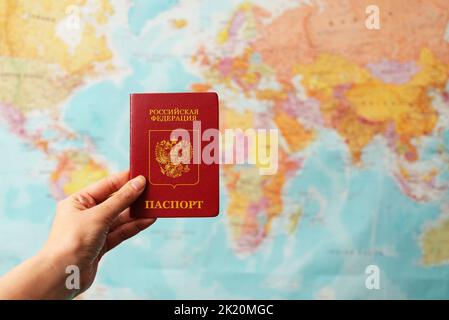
{"type": "Point", "coordinates": [86, 226]}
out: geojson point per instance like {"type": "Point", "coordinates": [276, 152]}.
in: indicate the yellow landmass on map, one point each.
{"type": "Point", "coordinates": [329, 71]}
{"type": "Point", "coordinates": [272, 189]}
{"type": "Point", "coordinates": [254, 201]}
{"type": "Point", "coordinates": [378, 102]}
{"type": "Point", "coordinates": [179, 23]}
{"type": "Point", "coordinates": [105, 10]}
{"type": "Point", "coordinates": [234, 119]}
{"type": "Point", "coordinates": [84, 176]}
{"type": "Point", "coordinates": [244, 186]}
{"type": "Point", "coordinates": [252, 15]}
{"type": "Point", "coordinates": [293, 221]}
{"type": "Point", "coordinates": [271, 94]}
{"type": "Point", "coordinates": [38, 69]}
{"type": "Point", "coordinates": [32, 84]}
{"type": "Point", "coordinates": [435, 244]}
{"type": "Point", "coordinates": [28, 30]}
{"type": "Point", "coordinates": [75, 170]}
{"type": "Point", "coordinates": [360, 106]}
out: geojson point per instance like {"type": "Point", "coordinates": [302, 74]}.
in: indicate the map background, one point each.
{"type": "Point", "coordinates": [351, 216]}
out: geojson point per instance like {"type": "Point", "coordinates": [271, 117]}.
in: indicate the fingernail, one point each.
{"type": "Point", "coordinates": [138, 183]}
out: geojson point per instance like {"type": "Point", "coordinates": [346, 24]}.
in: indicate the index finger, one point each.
{"type": "Point", "coordinates": [104, 188]}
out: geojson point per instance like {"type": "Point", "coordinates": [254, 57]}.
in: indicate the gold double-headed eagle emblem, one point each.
{"type": "Point", "coordinates": [168, 150]}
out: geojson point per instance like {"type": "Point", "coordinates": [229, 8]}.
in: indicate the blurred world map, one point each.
{"type": "Point", "coordinates": [363, 120]}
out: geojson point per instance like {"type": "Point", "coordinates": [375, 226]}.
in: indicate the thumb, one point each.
{"type": "Point", "coordinates": [122, 199]}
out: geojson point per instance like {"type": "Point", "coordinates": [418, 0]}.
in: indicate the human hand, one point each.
{"type": "Point", "coordinates": [93, 221]}
{"type": "Point", "coordinates": [87, 224]}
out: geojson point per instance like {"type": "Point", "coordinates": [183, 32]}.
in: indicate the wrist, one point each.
{"type": "Point", "coordinates": [40, 277]}
{"type": "Point", "coordinates": [59, 267]}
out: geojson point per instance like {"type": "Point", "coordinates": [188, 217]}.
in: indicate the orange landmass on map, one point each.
{"type": "Point", "coordinates": [294, 133]}
{"type": "Point", "coordinates": [340, 29]}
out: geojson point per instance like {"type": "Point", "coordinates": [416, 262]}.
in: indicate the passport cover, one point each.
{"type": "Point", "coordinates": [174, 189]}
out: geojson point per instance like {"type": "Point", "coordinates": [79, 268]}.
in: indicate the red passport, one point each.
{"type": "Point", "coordinates": [174, 142]}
